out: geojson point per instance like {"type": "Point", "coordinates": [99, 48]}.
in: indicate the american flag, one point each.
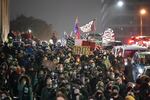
{"type": "Point", "coordinates": [77, 29]}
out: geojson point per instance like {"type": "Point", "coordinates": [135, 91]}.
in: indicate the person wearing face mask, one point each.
{"type": "Point", "coordinates": [115, 93]}
{"type": "Point", "coordinates": [39, 83]}
{"type": "Point", "coordinates": [99, 95]}
{"type": "Point", "coordinates": [24, 88]}
{"type": "Point", "coordinates": [92, 63]}
{"type": "Point", "coordinates": [122, 86]}
{"type": "Point", "coordinates": [48, 93]}
{"type": "Point", "coordinates": [108, 90]}
{"type": "Point", "coordinates": [61, 68]}
{"type": "Point", "coordinates": [4, 95]}
{"type": "Point", "coordinates": [77, 95]}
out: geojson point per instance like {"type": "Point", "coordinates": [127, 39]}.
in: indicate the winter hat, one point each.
{"type": "Point", "coordinates": [100, 85]}
{"type": "Point", "coordinates": [116, 87]}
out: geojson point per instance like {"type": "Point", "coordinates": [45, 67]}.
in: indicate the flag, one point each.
{"type": "Point", "coordinates": [108, 36]}
{"type": "Point", "coordinates": [89, 27]}
{"type": "Point", "coordinates": [76, 29]}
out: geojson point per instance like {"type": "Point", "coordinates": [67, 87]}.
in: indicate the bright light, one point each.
{"type": "Point", "coordinates": [140, 70]}
{"type": "Point", "coordinates": [131, 41]}
{"type": "Point", "coordinates": [29, 30]}
{"type": "Point", "coordinates": [120, 3]}
{"type": "Point", "coordinates": [59, 41]}
{"type": "Point", "coordinates": [125, 62]}
{"type": "Point", "coordinates": [51, 41]}
{"type": "Point", "coordinates": [142, 11]}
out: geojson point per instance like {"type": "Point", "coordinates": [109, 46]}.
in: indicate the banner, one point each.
{"type": "Point", "coordinates": [84, 50]}
{"type": "Point", "coordinates": [89, 43]}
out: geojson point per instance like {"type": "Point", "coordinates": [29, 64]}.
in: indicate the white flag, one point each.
{"type": "Point", "coordinates": [108, 36]}
{"type": "Point", "coordinates": [87, 27]}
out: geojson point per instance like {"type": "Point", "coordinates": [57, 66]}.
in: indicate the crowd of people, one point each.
{"type": "Point", "coordinates": [31, 70]}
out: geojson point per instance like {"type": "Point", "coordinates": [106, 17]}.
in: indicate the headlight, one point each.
{"type": "Point", "coordinates": [140, 70]}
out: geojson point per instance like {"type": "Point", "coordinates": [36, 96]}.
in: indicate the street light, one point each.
{"type": "Point", "coordinates": [120, 3]}
{"type": "Point", "coordinates": [142, 13]}
{"type": "Point", "coordinates": [109, 11]}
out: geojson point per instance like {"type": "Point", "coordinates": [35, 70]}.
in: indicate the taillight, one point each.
{"type": "Point", "coordinates": [130, 41]}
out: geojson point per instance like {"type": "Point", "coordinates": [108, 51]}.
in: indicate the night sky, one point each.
{"type": "Point", "coordinates": [60, 13]}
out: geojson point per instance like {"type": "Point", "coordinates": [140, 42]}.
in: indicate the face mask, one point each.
{"type": "Point", "coordinates": [108, 73]}
{"type": "Point", "coordinates": [112, 76]}
{"type": "Point", "coordinates": [76, 91]}
{"type": "Point", "coordinates": [104, 57]}
{"type": "Point", "coordinates": [85, 67]}
{"type": "Point", "coordinates": [58, 59]}
{"type": "Point", "coordinates": [68, 87]}
{"type": "Point", "coordinates": [88, 81]}
{"type": "Point", "coordinates": [53, 73]}
{"type": "Point", "coordinates": [80, 68]}
{"type": "Point", "coordinates": [61, 69]}
{"type": "Point", "coordinates": [93, 64]}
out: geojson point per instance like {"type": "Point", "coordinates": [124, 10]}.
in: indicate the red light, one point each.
{"type": "Point", "coordinates": [131, 41]}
